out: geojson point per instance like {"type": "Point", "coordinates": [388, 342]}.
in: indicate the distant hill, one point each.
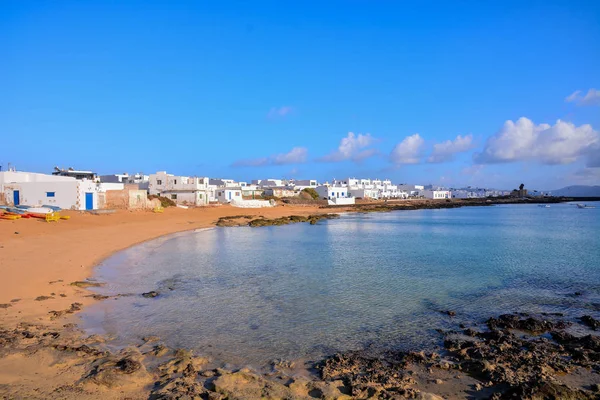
{"type": "Point", "coordinates": [578, 191]}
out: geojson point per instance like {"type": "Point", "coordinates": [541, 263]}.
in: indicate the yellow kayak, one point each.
{"type": "Point", "coordinates": [10, 216]}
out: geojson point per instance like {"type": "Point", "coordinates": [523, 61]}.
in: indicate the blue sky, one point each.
{"type": "Point", "coordinates": [306, 89]}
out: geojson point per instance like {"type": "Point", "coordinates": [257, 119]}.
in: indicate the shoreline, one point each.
{"type": "Point", "coordinates": [32, 314]}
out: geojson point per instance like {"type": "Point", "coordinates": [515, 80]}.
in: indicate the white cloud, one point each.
{"type": "Point", "coordinates": [297, 155]}
{"type": "Point", "coordinates": [561, 143]}
{"type": "Point", "coordinates": [592, 97]}
{"type": "Point", "coordinates": [408, 151]}
{"type": "Point", "coordinates": [445, 151]}
{"type": "Point", "coordinates": [279, 112]}
{"type": "Point", "coordinates": [352, 147]}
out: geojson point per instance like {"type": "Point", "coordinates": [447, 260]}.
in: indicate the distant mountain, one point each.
{"type": "Point", "coordinates": [578, 191]}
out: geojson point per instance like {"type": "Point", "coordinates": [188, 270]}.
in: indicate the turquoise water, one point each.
{"type": "Point", "coordinates": [250, 295]}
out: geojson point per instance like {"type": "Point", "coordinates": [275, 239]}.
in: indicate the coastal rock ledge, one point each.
{"type": "Point", "coordinates": [512, 356]}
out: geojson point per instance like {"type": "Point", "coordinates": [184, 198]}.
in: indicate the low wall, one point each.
{"type": "Point", "coordinates": [252, 203]}
{"type": "Point", "coordinates": [128, 200]}
{"type": "Point", "coordinates": [341, 201]}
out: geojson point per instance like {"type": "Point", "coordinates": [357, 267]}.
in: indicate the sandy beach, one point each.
{"type": "Point", "coordinates": [43, 259]}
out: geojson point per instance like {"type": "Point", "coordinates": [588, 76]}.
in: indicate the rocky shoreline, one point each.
{"type": "Point", "coordinates": [506, 357]}
{"type": "Point", "coordinates": [415, 204]}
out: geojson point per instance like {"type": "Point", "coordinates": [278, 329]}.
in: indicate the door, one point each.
{"type": "Point", "coordinates": [229, 195]}
{"type": "Point", "coordinates": [16, 197]}
{"type": "Point", "coordinates": [89, 201]}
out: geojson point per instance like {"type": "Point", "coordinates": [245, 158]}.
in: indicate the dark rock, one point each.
{"type": "Point", "coordinates": [128, 366]}
{"type": "Point", "coordinates": [86, 284]}
{"type": "Point", "coordinates": [533, 325]}
{"type": "Point", "coordinates": [545, 390]}
{"type": "Point", "coordinates": [74, 307]}
{"type": "Point", "coordinates": [97, 296]}
{"type": "Point", "coordinates": [5, 305]}
{"type": "Point", "coordinates": [449, 312]}
{"type": "Point", "coordinates": [590, 321]}
{"type": "Point", "coordinates": [150, 294]}
{"type": "Point", "coordinates": [42, 298]}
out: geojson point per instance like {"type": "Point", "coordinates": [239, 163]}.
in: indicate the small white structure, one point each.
{"type": "Point", "coordinates": [437, 194]}
{"type": "Point", "coordinates": [332, 192]}
{"type": "Point", "coordinates": [34, 189]}
{"type": "Point", "coordinates": [341, 201]}
{"type": "Point", "coordinates": [228, 194]}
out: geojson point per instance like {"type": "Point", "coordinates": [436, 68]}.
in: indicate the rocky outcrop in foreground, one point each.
{"type": "Point", "coordinates": [518, 356]}
{"type": "Point", "coordinates": [514, 356]}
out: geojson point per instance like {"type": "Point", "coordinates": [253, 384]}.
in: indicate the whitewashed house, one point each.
{"type": "Point", "coordinates": [302, 184]}
{"type": "Point", "coordinates": [228, 194]}
{"type": "Point", "coordinates": [34, 189]}
{"type": "Point", "coordinates": [437, 194]}
{"type": "Point", "coordinates": [185, 190]}
{"type": "Point", "coordinates": [136, 179]}
{"type": "Point", "coordinates": [281, 191]}
{"type": "Point", "coordinates": [411, 190]}
{"type": "Point", "coordinates": [372, 189]}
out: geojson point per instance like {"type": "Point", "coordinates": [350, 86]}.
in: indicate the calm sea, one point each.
{"type": "Point", "coordinates": [251, 295]}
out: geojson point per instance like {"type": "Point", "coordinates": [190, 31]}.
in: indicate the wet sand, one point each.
{"type": "Point", "coordinates": [44, 355]}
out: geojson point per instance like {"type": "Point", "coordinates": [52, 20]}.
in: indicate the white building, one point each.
{"type": "Point", "coordinates": [302, 184]}
{"type": "Point", "coordinates": [371, 189]}
{"type": "Point", "coordinates": [332, 191]}
{"type": "Point", "coordinates": [284, 191]}
{"type": "Point", "coordinates": [139, 179]}
{"type": "Point", "coordinates": [362, 193]}
{"type": "Point", "coordinates": [33, 189]}
{"type": "Point", "coordinates": [229, 194]}
{"type": "Point", "coordinates": [411, 190]}
{"type": "Point", "coordinates": [184, 190]}
{"type": "Point", "coordinates": [224, 183]}
{"type": "Point", "coordinates": [437, 194]}
{"type": "Point", "coordinates": [269, 182]}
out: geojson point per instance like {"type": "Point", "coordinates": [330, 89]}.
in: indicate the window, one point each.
{"type": "Point", "coordinates": [158, 182]}
{"type": "Point", "coordinates": [200, 196]}
{"type": "Point", "coordinates": [237, 194]}
{"type": "Point", "coordinates": [50, 194]}
{"type": "Point", "coordinates": [175, 181]}
{"type": "Point", "coordinates": [173, 197]}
